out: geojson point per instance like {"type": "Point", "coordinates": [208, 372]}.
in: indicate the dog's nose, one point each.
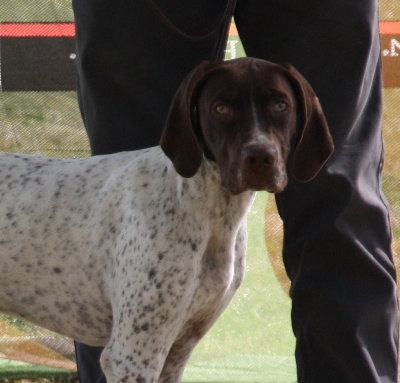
{"type": "Point", "coordinates": [258, 156]}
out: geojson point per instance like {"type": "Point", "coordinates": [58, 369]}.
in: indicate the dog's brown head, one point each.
{"type": "Point", "coordinates": [254, 118]}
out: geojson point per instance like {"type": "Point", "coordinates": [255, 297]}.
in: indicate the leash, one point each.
{"type": "Point", "coordinates": [228, 12]}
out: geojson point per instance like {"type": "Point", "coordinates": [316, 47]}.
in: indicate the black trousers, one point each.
{"type": "Point", "coordinates": [132, 55]}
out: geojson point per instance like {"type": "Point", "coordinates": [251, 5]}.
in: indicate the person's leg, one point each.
{"type": "Point", "coordinates": [131, 57]}
{"type": "Point", "coordinates": [130, 62]}
{"type": "Point", "coordinates": [336, 227]}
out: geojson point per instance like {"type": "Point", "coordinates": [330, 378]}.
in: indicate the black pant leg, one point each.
{"type": "Point", "coordinates": [130, 62]}
{"type": "Point", "coordinates": [88, 363]}
{"type": "Point", "coordinates": [336, 228]}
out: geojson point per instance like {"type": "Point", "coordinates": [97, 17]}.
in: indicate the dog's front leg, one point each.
{"type": "Point", "coordinates": [180, 352]}
{"type": "Point", "coordinates": [145, 325]}
{"type": "Point", "coordinates": [132, 360]}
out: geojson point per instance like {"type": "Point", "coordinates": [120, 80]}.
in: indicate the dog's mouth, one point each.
{"type": "Point", "coordinates": [271, 182]}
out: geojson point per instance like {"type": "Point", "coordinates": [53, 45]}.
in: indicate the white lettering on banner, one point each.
{"type": "Point", "coordinates": [230, 51]}
{"type": "Point", "coordinates": [394, 50]}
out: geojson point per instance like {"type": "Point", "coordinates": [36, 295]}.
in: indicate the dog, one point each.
{"type": "Point", "coordinates": [140, 252]}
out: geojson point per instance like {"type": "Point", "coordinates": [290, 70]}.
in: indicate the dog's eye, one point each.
{"type": "Point", "coordinates": [223, 109]}
{"type": "Point", "coordinates": [281, 106]}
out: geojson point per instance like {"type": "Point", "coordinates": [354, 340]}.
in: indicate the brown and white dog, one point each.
{"type": "Point", "coordinates": [141, 251]}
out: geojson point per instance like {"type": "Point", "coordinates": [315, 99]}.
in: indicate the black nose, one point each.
{"type": "Point", "coordinates": [257, 155]}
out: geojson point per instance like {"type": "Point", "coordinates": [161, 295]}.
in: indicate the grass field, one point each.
{"type": "Point", "coordinates": [252, 341]}
{"type": "Point", "coordinates": [35, 10]}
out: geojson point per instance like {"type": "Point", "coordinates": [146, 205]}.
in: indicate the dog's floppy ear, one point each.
{"type": "Point", "coordinates": [314, 144]}
{"type": "Point", "coordinates": [178, 139]}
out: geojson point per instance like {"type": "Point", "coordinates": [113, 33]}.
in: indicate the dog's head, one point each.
{"type": "Point", "coordinates": [253, 118]}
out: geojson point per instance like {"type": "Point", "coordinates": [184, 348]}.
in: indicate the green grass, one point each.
{"type": "Point", "coordinates": [14, 370]}
{"type": "Point", "coordinates": [30, 11]}
{"type": "Point", "coordinates": [242, 368]}
{"type": "Point", "coordinates": [47, 123]}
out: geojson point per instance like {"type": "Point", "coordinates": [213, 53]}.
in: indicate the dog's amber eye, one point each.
{"type": "Point", "coordinates": [223, 109]}
{"type": "Point", "coordinates": [281, 106]}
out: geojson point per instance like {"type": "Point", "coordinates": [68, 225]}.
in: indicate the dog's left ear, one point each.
{"type": "Point", "coordinates": [178, 139]}
{"type": "Point", "coordinates": [314, 143]}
